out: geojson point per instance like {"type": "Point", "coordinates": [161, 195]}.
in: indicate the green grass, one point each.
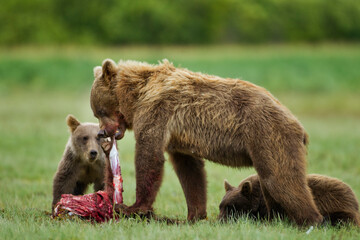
{"type": "Point", "coordinates": [39, 87]}
{"type": "Point", "coordinates": [324, 68]}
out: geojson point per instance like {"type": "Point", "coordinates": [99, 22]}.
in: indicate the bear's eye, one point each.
{"type": "Point", "coordinates": [85, 138]}
{"type": "Point", "coordinates": [101, 113]}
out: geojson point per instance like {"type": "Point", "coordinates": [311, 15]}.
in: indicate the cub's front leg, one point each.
{"type": "Point", "coordinates": [64, 180]}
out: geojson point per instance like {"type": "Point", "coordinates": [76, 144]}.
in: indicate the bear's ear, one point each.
{"type": "Point", "coordinates": [109, 70]}
{"type": "Point", "coordinates": [72, 122]}
{"type": "Point", "coordinates": [246, 188]}
{"type": "Point", "coordinates": [227, 185]}
{"type": "Point", "coordinates": [97, 72]}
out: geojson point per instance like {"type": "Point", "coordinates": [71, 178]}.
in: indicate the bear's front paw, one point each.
{"type": "Point", "coordinates": [120, 208]}
{"type": "Point", "coordinates": [134, 212]}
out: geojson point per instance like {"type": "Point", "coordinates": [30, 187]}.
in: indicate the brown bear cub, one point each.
{"type": "Point", "coordinates": [335, 200]}
{"type": "Point", "coordinates": [82, 163]}
{"type": "Point", "coordinates": [194, 116]}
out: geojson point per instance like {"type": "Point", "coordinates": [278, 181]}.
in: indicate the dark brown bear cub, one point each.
{"type": "Point", "coordinates": [82, 163]}
{"type": "Point", "coordinates": [194, 116]}
{"type": "Point", "coordinates": [335, 200]}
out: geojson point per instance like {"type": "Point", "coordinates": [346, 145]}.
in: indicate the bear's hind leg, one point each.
{"type": "Point", "coordinates": [294, 196]}
{"type": "Point", "coordinates": [190, 171]}
{"type": "Point", "coordinates": [281, 168]}
{"type": "Point", "coordinates": [274, 209]}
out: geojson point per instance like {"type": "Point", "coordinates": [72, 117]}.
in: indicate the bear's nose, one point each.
{"type": "Point", "coordinates": [102, 134]}
{"type": "Point", "coordinates": [93, 153]}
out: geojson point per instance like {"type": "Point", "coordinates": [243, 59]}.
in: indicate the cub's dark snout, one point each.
{"type": "Point", "coordinates": [93, 154]}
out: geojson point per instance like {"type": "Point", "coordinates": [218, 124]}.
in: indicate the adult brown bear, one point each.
{"type": "Point", "coordinates": [195, 116]}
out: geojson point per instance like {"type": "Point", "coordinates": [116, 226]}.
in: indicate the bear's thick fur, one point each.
{"type": "Point", "coordinates": [82, 163]}
{"type": "Point", "coordinates": [335, 200]}
{"type": "Point", "coordinates": [194, 116]}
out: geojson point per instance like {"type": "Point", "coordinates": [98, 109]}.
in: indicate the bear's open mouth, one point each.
{"type": "Point", "coordinates": [119, 134]}
{"type": "Point", "coordinates": [92, 158]}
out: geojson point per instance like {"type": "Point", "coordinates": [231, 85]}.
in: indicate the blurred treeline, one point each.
{"type": "Point", "coordinates": [177, 21]}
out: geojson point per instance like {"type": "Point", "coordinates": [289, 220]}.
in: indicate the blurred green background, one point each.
{"type": "Point", "coordinates": [177, 21]}
{"type": "Point", "coordinates": [307, 53]}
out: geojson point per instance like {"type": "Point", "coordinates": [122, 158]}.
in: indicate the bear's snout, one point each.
{"type": "Point", "coordinates": [93, 154]}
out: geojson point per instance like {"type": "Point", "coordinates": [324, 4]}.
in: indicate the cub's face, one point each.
{"type": "Point", "coordinates": [236, 202]}
{"type": "Point", "coordinates": [85, 140]}
{"type": "Point", "coordinates": [104, 102]}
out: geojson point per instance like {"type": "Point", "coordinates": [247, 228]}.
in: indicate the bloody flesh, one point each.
{"type": "Point", "coordinates": [116, 172]}
{"type": "Point", "coordinates": [95, 206]}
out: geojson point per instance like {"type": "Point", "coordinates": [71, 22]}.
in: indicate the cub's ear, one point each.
{"type": "Point", "coordinates": [109, 70]}
{"type": "Point", "coordinates": [227, 186]}
{"type": "Point", "coordinates": [246, 188]}
{"type": "Point", "coordinates": [97, 72]}
{"type": "Point", "coordinates": [72, 122]}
